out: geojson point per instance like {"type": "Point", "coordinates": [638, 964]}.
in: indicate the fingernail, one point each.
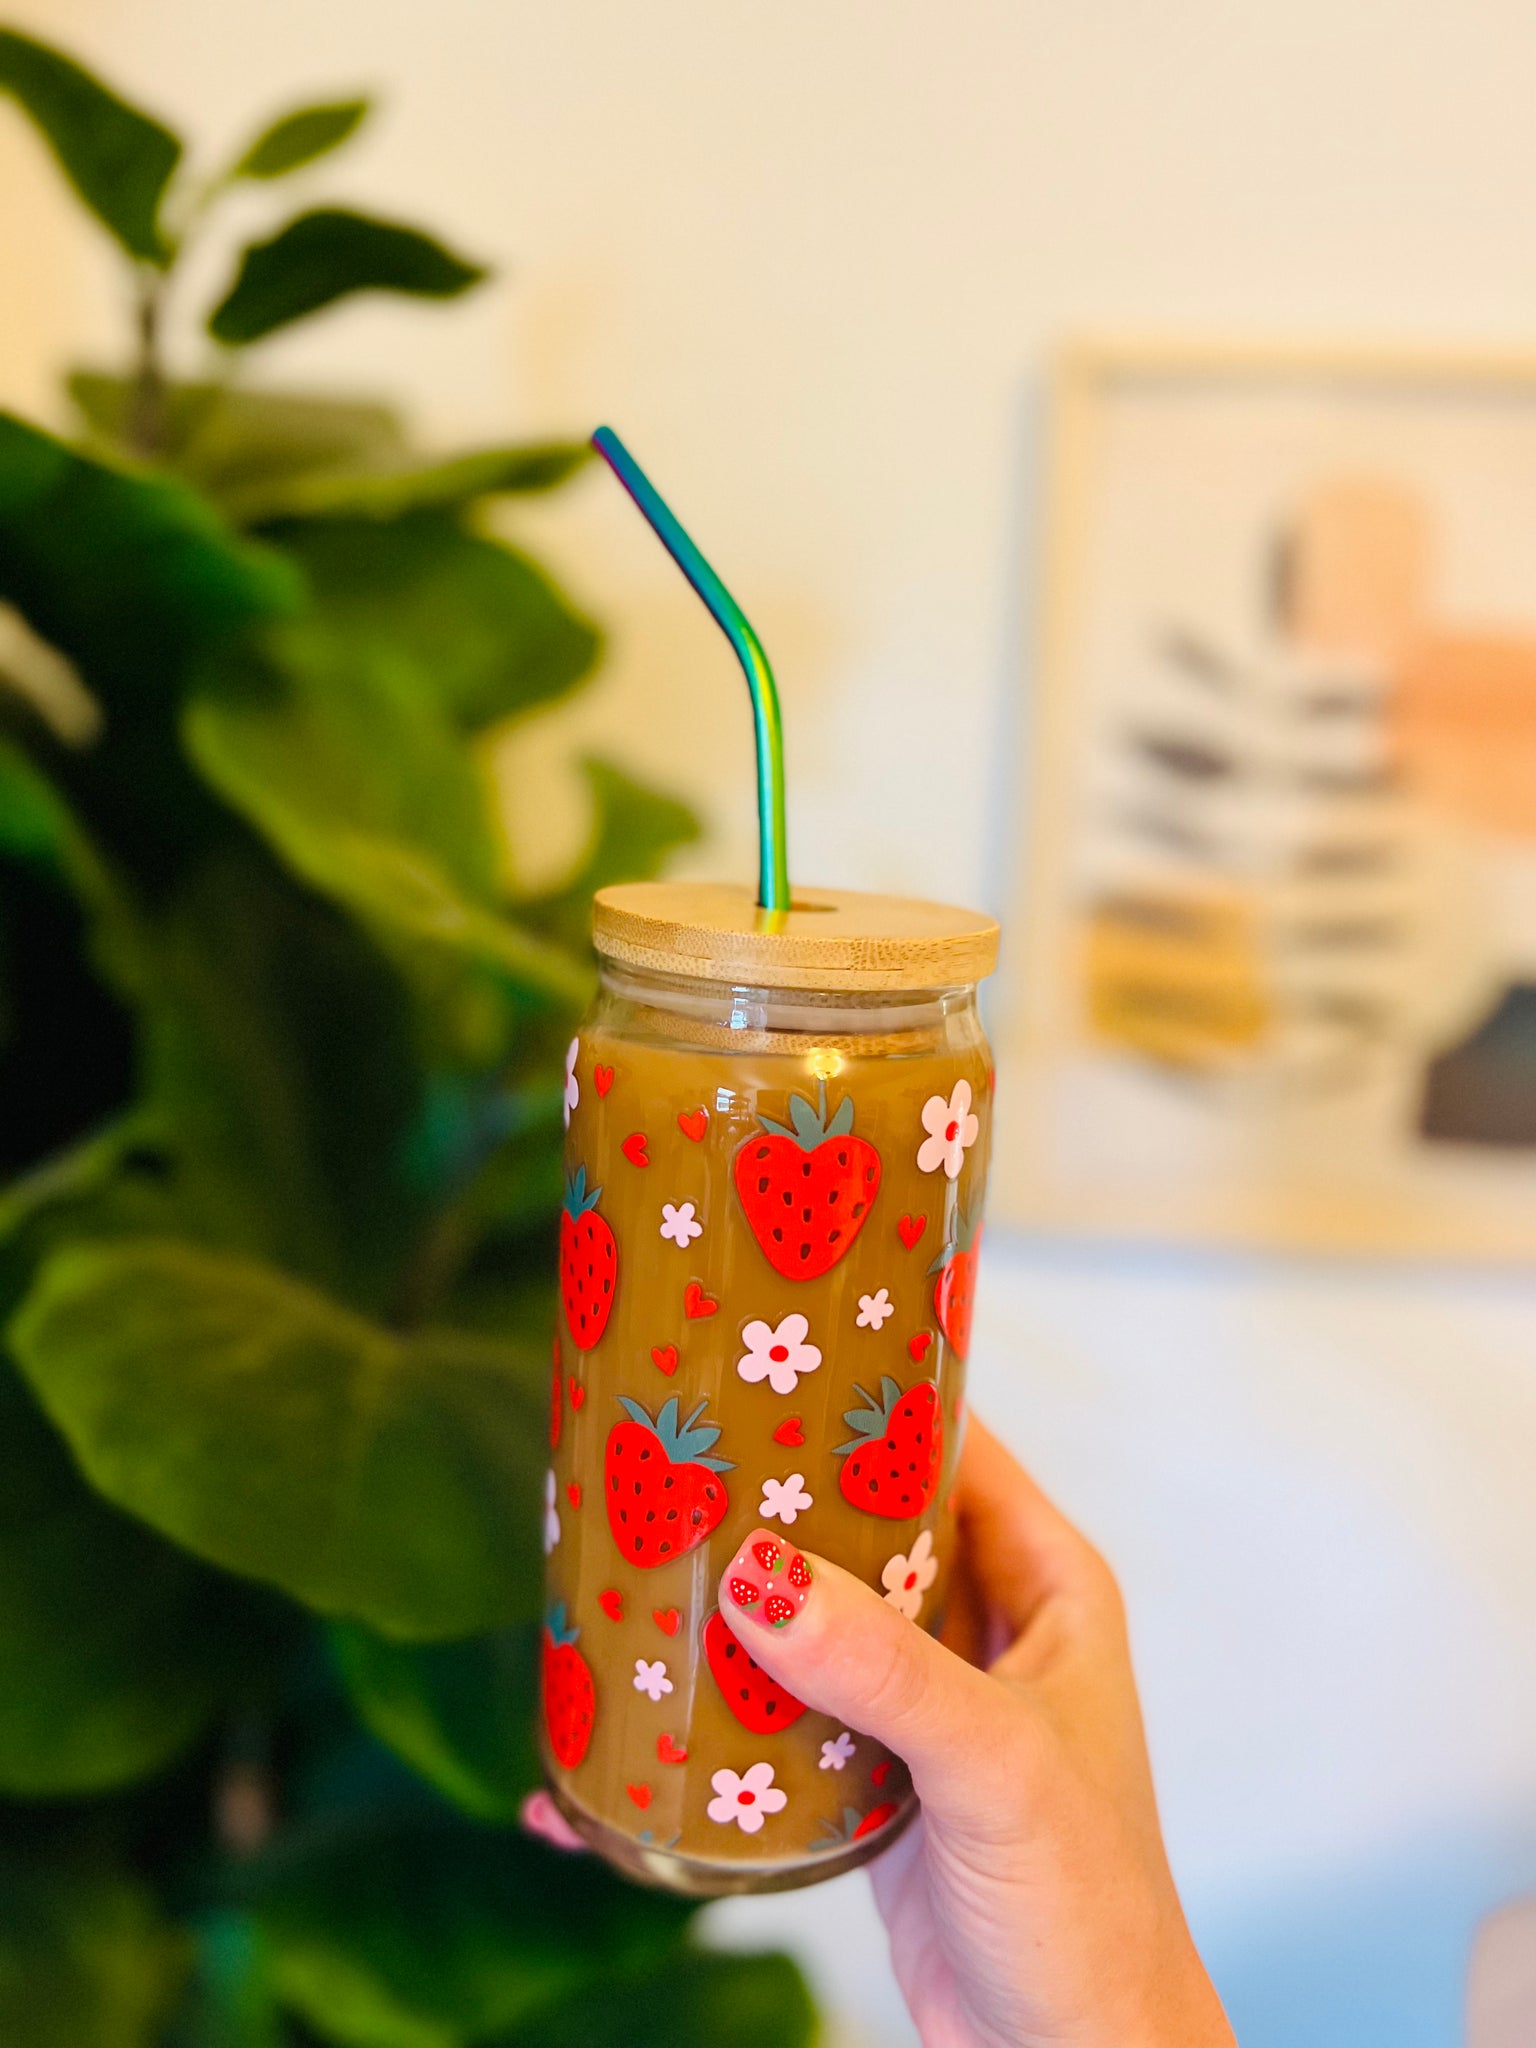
{"type": "Point", "coordinates": [768, 1579]}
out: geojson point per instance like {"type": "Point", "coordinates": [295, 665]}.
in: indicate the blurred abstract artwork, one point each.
{"type": "Point", "coordinates": [1274, 962]}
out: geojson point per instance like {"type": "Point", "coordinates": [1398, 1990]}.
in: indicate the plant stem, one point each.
{"type": "Point", "coordinates": [144, 426]}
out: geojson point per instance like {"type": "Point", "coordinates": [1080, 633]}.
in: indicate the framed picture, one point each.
{"type": "Point", "coordinates": [1271, 975]}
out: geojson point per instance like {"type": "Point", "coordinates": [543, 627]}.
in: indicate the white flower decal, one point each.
{"type": "Point", "coordinates": [784, 1499]}
{"type": "Point", "coordinates": [572, 1086]}
{"type": "Point", "coordinates": [747, 1799]}
{"type": "Point", "coordinates": [874, 1309]}
{"type": "Point", "coordinates": [835, 1754]}
{"type": "Point", "coordinates": [907, 1579]}
{"type": "Point", "coordinates": [778, 1356]}
{"type": "Point", "coordinates": [681, 1225]}
{"type": "Point", "coordinates": [951, 1127]}
{"type": "Point", "coordinates": [651, 1679]}
{"type": "Point", "coordinates": [551, 1513]}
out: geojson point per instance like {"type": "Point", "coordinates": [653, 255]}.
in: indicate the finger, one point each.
{"type": "Point", "coordinates": [1019, 1547]}
{"type": "Point", "coordinates": [849, 1653]}
{"type": "Point", "coordinates": [540, 1816]}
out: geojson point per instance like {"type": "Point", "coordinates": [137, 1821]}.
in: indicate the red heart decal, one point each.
{"type": "Point", "coordinates": [696, 1302]}
{"type": "Point", "coordinates": [573, 1493]}
{"type": "Point", "coordinates": [641, 1795]}
{"type": "Point", "coordinates": [612, 1603]}
{"type": "Point", "coordinates": [881, 1771]}
{"type": "Point", "coordinates": [790, 1432]}
{"type": "Point", "coordinates": [667, 1619]}
{"type": "Point", "coordinates": [917, 1346]}
{"type": "Point", "coordinates": [634, 1150]}
{"type": "Point", "coordinates": [664, 1358]}
{"type": "Point", "coordinates": [668, 1751]}
{"type": "Point", "coordinates": [577, 1390]}
{"type": "Point", "coordinates": [693, 1123]}
{"type": "Point", "coordinates": [910, 1229]}
{"type": "Point", "coordinates": [603, 1079]}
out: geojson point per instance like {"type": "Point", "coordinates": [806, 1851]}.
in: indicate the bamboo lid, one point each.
{"type": "Point", "coordinates": [833, 939]}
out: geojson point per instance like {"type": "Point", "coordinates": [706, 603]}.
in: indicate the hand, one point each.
{"type": "Point", "coordinates": [1031, 1904]}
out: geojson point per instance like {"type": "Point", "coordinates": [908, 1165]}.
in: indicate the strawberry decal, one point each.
{"type": "Point", "coordinates": [663, 1488]}
{"type": "Point", "coordinates": [759, 1702]}
{"type": "Point", "coordinates": [954, 1292]}
{"type": "Point", "coordinates": [807, 1186]}
{"type": "Point", "coordinates": [570, 1700]}
{"type": "Point", "coordinates": [589, 1263]}
{"type": "Point", "coordinates": [892, 1462]}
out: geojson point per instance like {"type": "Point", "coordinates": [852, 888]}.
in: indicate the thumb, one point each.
{"type": "Point", "coordinates": [846, 1651]}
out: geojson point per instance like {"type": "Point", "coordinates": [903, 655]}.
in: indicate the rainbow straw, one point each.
{"type": "Point", "coordinates": [773, 861]}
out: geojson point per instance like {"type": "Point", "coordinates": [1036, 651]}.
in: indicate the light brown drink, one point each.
{"type": "Point", "coordinates": [768, 1261]}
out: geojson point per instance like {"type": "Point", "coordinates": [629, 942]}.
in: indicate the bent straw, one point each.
{"type": "Point", "coordinates": [773, 860]}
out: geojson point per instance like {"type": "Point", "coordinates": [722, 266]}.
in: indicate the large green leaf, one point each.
{"type": "Point", "coordinates": [430, 1936]}
{"type": "Point", "coordinates": [113, 1645]}
{"type": "Point", "coordinates": [130, 576]}
{"type": "Point", "coordinates": [391, 1479]}
{"type": "Point", "coordinates": [460, 1714]}
{"type": "Point", "coordinates": [66, 1045]}
{"type": "Point", "coordinates": [133, 579]}
{"type": "Point", "coordinates": [86, 1961]}
{"type": "Point", "coordinates": [243, 447]}
{"type": "Point", "coordinates": [288, 1133]}
{"type": "Point", "coordinates": [328, 255]}
{"type": "Point", "coordinates": [298, 138]}
{"type": "Point", "coordinates": [486, 631]}
{"type": "Point", "coordinates": [360, 785]}
{"type": "Point", "coordinates": [694, 1999]}
{"type": "Point", "coordinates": [390, 492]}
{"type": "Point", "coordinates": [117, 158]}
{"type": "Point", "coordinates": [634, 829]}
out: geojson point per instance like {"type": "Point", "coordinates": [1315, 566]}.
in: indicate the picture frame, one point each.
{"type": "Point", "coordinates": [1270, 969]}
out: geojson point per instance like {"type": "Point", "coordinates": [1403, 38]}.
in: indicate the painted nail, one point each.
{"type": "Point", "coordinates": [768, 1579]}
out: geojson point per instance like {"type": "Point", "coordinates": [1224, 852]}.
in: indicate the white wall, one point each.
{"type": "Point", "coordinates": [810, 260]}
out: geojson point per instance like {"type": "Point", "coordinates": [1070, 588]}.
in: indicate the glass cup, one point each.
{"type": "Point", "coordinates": [779, 1128]}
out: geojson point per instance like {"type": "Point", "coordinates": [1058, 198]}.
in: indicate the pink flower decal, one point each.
{"type": "Point", "coordinates": [747, 1800]}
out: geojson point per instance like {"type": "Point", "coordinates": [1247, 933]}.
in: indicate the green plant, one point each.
{"type": "Point", "coordinates": [280, 1123]}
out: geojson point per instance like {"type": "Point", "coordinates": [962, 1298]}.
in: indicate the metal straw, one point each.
{"type": "Point", "coordinates": [773, 860]}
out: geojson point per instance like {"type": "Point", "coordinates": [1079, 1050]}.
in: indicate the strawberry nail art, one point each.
{"type": "Point", "coordinates": [768, 1579]}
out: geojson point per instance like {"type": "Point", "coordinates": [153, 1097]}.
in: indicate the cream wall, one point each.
{"type": "Point", "coordinates": [810, 261]}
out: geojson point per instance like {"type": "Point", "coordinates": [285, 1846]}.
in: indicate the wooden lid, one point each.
{"type": "Point", "coordinates": [832, 939]}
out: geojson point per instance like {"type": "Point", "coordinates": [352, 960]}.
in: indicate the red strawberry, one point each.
{"type": "Point", "coordinates": [589, 1263]}
{"type": "Point", "coordinates": [806, 1190]}
{"type": "Point", "coordinates": [744, 1593]}
{"type": "Point", "coordinates": [759, 1702]}
{"type": "Point", "coordinates": [954, 1292]}
{"type": "Point", "coordinates": [570, 1699]}
{"type": "Point", "coordinates": [799, 1571]}
{"type": "Point", "coordinates": [893, 1460]}
{"type": "Point", "coordinates": [556, 1404]}
{"type": "Point", "coordinates": [777, 1610]}
{"type": "Point", "coordinates": [664, 1492]}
